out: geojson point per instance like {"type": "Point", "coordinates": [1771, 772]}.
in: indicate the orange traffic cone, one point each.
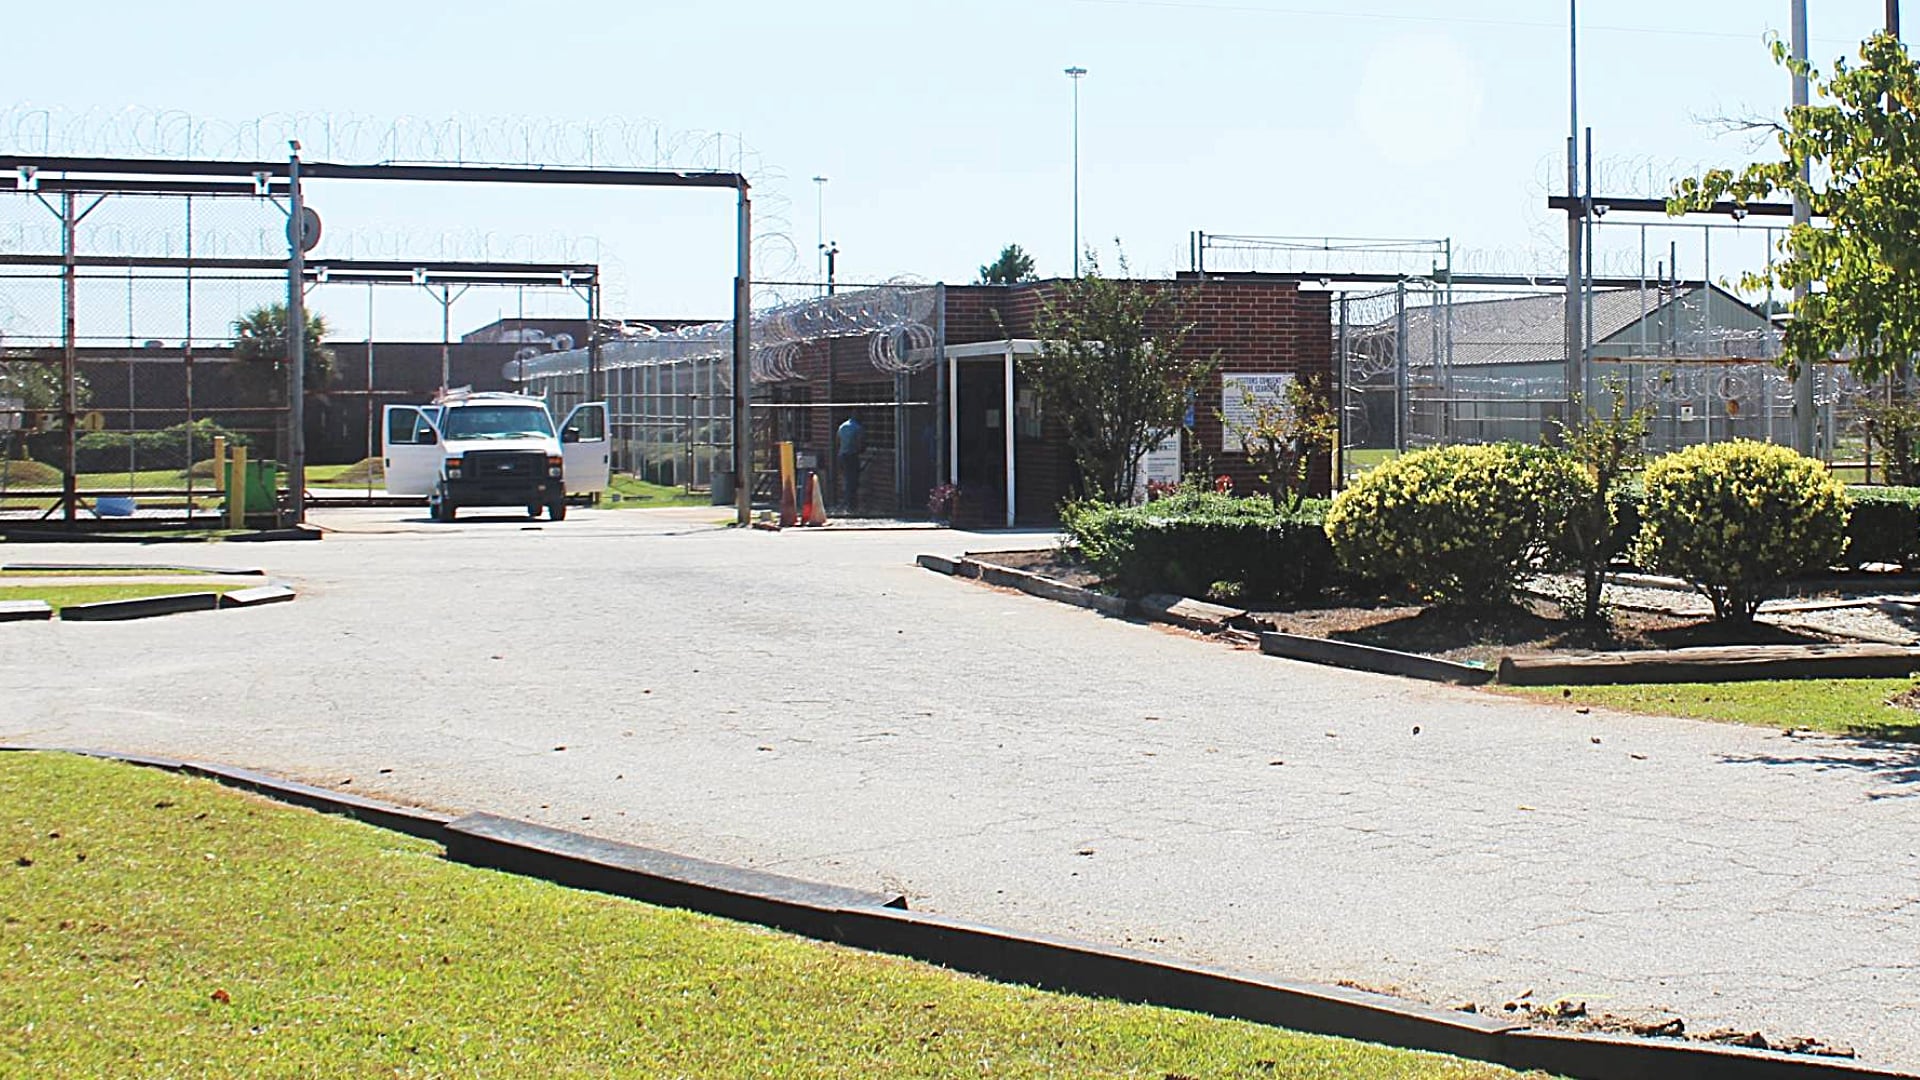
{"type": "Point", "coordinates": [816, 513]}
{"type": "Point", "coordinates": [788, 517]}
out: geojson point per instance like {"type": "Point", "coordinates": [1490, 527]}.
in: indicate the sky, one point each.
{"type": "Point", "coordinates": [944, 130]}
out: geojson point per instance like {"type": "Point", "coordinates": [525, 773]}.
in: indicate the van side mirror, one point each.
{"type": "Point", "coordinates": [428, 437]}
{"type": "Point", "coordinates": [570, 435]}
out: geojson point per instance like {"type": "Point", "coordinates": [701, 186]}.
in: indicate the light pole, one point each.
{"type": "Point", "coordinates": [819, 223]}
{"type": "Point", "coordinates": [1076, 73]}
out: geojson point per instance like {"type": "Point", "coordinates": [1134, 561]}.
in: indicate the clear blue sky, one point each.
{"type": "Point", "coordinates": [944, 129]}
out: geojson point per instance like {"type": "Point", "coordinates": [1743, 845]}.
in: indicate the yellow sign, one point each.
{"type": "Point", "coordinates": [93, 421]}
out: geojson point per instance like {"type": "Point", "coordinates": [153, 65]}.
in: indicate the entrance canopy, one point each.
{"type": "Point", "coordinates": [1002, 352]}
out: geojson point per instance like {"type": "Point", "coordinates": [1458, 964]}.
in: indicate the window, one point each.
{"type": "Point", "coordinates": [496, 422]}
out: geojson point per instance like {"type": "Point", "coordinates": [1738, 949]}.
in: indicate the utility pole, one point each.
{"type": "Point", "coordinates": [1575, 341]}
{"type": "Point", "coordinates": [1803, 425]}
{"type": "Point", "coordinates": [296, 338]}
{"type": "Point", "coordinates": [1076, 73]}
{"type": "Point", "coordinates": [1893, 19]}
{"type": "Point", "coordinates": [742, 364]}
{"type": "Point", "coordinates": [820, 221]}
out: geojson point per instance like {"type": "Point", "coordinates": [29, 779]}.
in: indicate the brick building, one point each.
{"type": "Point", "coordinates": [956, 413]}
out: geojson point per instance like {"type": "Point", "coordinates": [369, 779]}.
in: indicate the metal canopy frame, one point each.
{"type": "Point", "coordinates": [1003, 352]}
{"type": "Point", "coordinates": [68, 175]}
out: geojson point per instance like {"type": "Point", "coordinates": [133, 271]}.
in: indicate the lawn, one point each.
{"type": "Point", "coordinates": [59, 596]}
{"type": "Point", "coordinates": [635, 493]}
{"type": "Point", "coordinates": [1856, 707]}
{"type": "Point", "coordinates": [158, 926]}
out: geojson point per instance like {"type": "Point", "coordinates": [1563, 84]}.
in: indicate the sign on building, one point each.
{"type": "Point", "coordinates": [1240, 394]}
{"type": "Point", "coordinates": [1159, 465]}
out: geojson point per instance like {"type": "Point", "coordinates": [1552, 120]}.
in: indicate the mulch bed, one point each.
{"type": "Point", "coordinates": [1531, 625]}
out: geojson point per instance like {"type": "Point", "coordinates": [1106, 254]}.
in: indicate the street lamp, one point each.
{"type": "Point", "coordinates": [1076, 73]}
{"type": "Point", "coordinates": [819, 222]}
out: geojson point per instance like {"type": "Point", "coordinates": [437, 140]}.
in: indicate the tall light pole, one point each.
{"type": "Point", "coordinates": [1803, 425]}
{"type": "Point", "coordinates": [1076, 73]}
{"type": "Point", "coordinates": [1576, 342]}
{"type": "Point", "coordinates": [819, 224]}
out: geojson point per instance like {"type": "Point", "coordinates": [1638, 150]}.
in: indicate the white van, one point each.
{"type": "Point", "coordinates": [492, 449]}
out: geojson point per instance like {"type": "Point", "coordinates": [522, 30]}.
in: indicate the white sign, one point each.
{"type": "Point", "coordinates": [1159, 465]}
{"type": "Point", "coordinates": [1240, 393]}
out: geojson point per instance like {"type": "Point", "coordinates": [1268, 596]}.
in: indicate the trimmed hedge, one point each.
{"type": "Point", "coordinates": [166, 448]}
{"type": "Point", "coordinates": [1884, 526]}
{"type": "Point", "coordinates": [1193, 541]}
{"type": "Point", "coordinates": [1461, 524]}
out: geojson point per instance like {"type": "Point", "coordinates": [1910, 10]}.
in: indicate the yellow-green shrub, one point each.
{"type": "Point", "coordinates": [1459, 524]}
{"type": "Point", "coordinates": [1735, 518]}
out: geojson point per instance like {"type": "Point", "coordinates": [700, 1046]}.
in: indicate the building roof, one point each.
{"type": "Point", "coordinates": [1626, 323]}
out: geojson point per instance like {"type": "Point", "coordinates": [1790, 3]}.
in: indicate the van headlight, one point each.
{"type": "Point", "coordinates": [555, 465]}
{"type": "Point", "coordinates": [453, 468]}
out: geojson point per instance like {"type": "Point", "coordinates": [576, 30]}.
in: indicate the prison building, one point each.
{"type": "Point", "coordinates": [935, 375]}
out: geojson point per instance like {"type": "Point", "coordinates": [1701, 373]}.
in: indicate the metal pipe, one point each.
{"type": "Point", "coordinates": [1803, 419]}
{"type": "Point", "coordinates": [1076, 73]}
{"type": "Point", "coordinates": [742, 363]}
{"type": "Point", "coordinates": [296, 338]}
{"type": "Point", "coordinates": [69, 404]}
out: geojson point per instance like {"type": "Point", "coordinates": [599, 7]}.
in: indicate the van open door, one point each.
{"type": "Point", "coordinates": [587, 449]}
{"type": "Point", "coordinates": [409, 450]}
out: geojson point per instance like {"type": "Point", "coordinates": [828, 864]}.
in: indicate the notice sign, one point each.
{"type": "Point", "coordinates": [1159, 465]}
{"type": "Point", "coordinates": [1240, 393]}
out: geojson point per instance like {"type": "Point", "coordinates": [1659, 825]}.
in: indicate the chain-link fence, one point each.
{"type": "Point", "coordinates": [867, 355]}
{"type": "Point", "coordinates": [119, 359]}
{"type": "Point", "coordinates": [1422, 364]}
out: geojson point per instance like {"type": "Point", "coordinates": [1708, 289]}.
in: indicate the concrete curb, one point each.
{"type": "Point", "coordinates": [25, 611]}
{"type": "Point", "coordinates": [256, 596]}
{"type": "Point", "coordinates": [1189, 613]}
{"type": "Point", "coordinates": [143, 608]}
{"type": "Point", "coordinates": [868, 921]}
{"type": "Point", "coordinates": [154, 568]}
{"type": "Point", "coordinates": [1026, 581]}
{"type": "Point", "coordinates": [1347, 654]}
{"type": "Point", "coordinates": [1047, 588]}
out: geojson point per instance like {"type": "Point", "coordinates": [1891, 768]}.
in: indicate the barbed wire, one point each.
{"type": "Point", "coordinates": [349, 138]}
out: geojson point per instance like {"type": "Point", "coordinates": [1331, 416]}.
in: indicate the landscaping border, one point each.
{"type": "Point", "coordinates": [1710, 663]}
{"type": "Point", "coordinates": [1357, 657]}
{"type": "Point", "coordinates": [850, 917]}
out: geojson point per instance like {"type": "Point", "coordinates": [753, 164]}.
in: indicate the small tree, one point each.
{"type": "Point", "coordinates": [1281, 438]}
{"type": "Point", "coordinates": [260, 336]}
{"type": "Point", "coordinates": [35, 384]}
{"type": "Point", "coordinates": [1858, 145]}
{"type": "Point", "coordinates": [1112, 369]}
{"type": "Point", "coordinates": [1894, 427]}
{"type": "Point", "coordinates": [1610, 448]}
{"type": "Point", "coordinates": [1012, 267]}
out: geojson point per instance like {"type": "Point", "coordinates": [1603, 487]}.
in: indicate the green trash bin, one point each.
{"type": "Point", "coordinates": [262, 487]}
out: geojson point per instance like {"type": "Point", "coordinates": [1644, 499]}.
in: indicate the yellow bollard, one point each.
{"type": "Point", "coordinates": [219, 463]}
{"type": "Point", "coordinates": [237, 491]}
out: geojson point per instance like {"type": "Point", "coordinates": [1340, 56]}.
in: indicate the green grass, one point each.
{"type": "Point", "coordinates": [637, 493]}
{"type": "Point", "coordinates": [158, 926]}
{"type": "Point", "coordinates": [1855, 707]}
{"type": "Point", "coordinates": [59, 596]}
{"type": "Point", "coordinates": [105, 571]}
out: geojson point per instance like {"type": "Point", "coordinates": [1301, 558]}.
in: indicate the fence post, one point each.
{"type": "Point", "coordinates": [237, 490]}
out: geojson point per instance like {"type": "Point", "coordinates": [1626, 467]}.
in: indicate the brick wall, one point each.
{"type": "Point", "coordinates": [1250, 326]}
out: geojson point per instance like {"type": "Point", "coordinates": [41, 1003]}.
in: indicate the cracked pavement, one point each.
{"type": "Point", "coordinates": [814, 704]}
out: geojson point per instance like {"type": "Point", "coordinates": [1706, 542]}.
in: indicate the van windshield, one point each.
{"type": "Point", "coordinates": [496, 422]}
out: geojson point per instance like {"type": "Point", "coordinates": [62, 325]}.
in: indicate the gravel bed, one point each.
{"type": "Point", "coordinates": [1890, 618]}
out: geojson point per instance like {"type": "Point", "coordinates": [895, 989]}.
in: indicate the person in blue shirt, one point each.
{"type": "Point", "coordinates": [849, 443]}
